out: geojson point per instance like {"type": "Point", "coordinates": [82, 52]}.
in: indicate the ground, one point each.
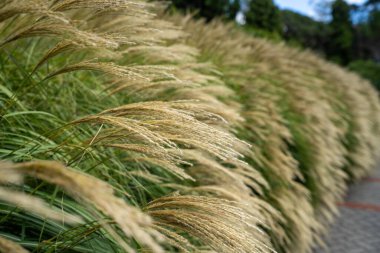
{"type": "Point", "coordinates": [357, 230]}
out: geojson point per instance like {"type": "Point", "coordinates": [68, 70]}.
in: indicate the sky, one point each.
{"type": "Point", "coordinates": [305, 6]}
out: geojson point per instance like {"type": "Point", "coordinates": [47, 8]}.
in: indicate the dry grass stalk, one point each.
{"type": "Point", "coordinates": [72, 46]}
{"type": "Point", "coordinates": [7, 246]}
{"type": "Point", "coordinates": [95, 192]}
{"type": "Point", "coordinates": [100, 5]}
{"type": "Point", "coordinates": [165, 124]}
{"type": "Point", "coordinates": [10, 176]}
{"type": "Point", "coordinates": [206, 218]}
{"type": "Point", "coordinates": [132, 73]}
{"type": "Point", "coordinates": [37, 206]}
{"type": "Point", "coordinates": [174, 239]}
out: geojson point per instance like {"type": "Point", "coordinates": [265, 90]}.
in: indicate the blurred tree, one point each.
{"type": "Point", "coordinates": [367, 31]}
{"type": "Point", "coordinates": [234, 8]}
{"type": "Point", "coordinates": [210, 8]}
{"type": "Point", "coordinates": [263, 14]}
{"type": "Point", "coordinates": [341, 38]}
{"type": "Point", "coordinates": [322, 9]}
{"type": "Point", "coordinates": [372, 2]}
{"type": "Point", "coordinates": [374, 33]}
{"type": "Point", "coordinates": [305, 31]}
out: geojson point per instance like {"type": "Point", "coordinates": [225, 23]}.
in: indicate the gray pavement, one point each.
{"type": "Point", "coordinates": [357, 229]}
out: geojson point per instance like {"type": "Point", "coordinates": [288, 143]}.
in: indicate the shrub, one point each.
{"type": "Point", "coordinates": [367, 69]}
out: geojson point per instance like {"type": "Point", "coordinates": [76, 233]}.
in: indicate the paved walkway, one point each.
{"type": "Point", "coordinates": [357, 230]}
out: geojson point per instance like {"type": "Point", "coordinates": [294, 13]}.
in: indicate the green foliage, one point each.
{"type": "Point", "coordinates": [374, 34]}
{"type": "Point", "coordinates": [305, 31]}
{"type": "Point", "coordinates": [264, 14]}
{"type": "Point", "coordinates": [210, 8]}
{"type": "Point", "coordinates": [341, 37]}
{"type": "Point", "coordinates": [367, 37]}
{"type": "Point", "coordinates": [374, 22]}
{"type": "Point", "coordinates": [262, 33]}
{"type": "Point", "coordinates": [234, 8]}
{"type": "Point", "coordinates": [367, 69]}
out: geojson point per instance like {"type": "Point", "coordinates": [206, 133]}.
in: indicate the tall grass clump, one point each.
{"type": "Point", "coordinates": [123, 130]}
{"type": "Point", "coordinates": [306, 120]}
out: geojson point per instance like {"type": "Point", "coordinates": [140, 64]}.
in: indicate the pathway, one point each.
{"type": "Point", "coordinates": [357, 230]}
